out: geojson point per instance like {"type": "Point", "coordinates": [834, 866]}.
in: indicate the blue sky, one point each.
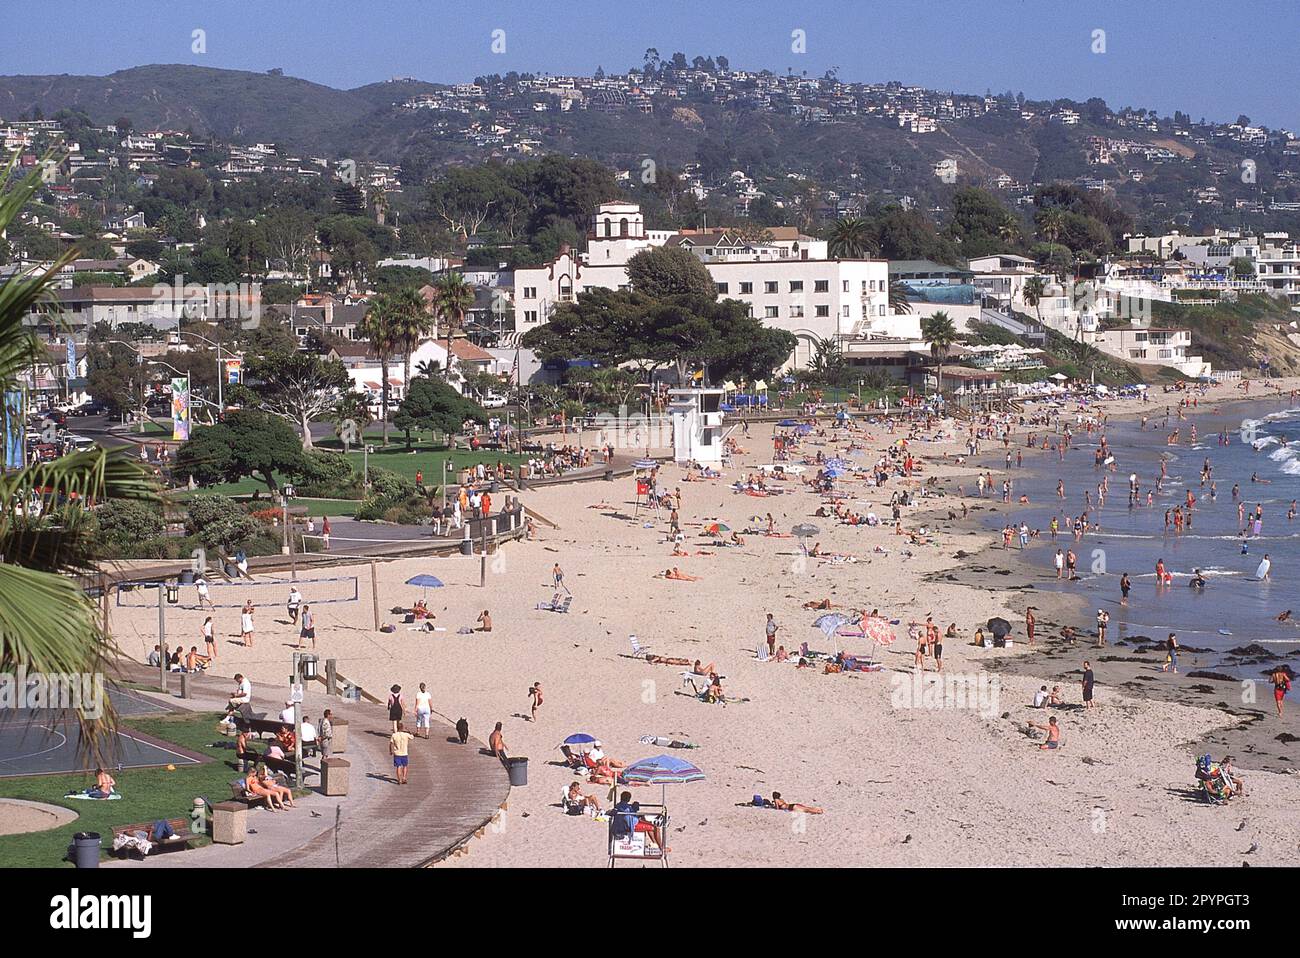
{"type": "Point", "coordinates": [1205, 57]}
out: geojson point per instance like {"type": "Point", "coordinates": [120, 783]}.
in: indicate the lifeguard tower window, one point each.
{"type": "Point", "coordinates": [706, 438]}
{"type": "Point", "coordinates": [712, 402]}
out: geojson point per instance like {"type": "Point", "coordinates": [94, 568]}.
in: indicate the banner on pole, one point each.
{"type": "Point", "coordinates": [180, 409]}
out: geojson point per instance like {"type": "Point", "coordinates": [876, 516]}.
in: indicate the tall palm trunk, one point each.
{"type": "Point", "coordinates": [383, 391]}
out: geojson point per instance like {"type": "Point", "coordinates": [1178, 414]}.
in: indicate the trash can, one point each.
{"type": "Point", "coordinates": [517, 768]}
{"type": "Point", "coordinates": [85, 847]}
{"type": "Point", "coordinates": [467, 547]}
{"type": "Point", "coordinates": [494, 487]}
{"type": "Point", "coordinates": [186, 577]}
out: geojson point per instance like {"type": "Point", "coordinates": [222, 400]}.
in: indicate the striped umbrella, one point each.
{"type": "Point", "coordinates": [662, 770]}
{"type": "Point", "coordinates": [644, 463]}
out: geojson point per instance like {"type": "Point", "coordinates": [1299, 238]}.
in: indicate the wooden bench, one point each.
{"type": "Point", "coordinates": [181, 839]}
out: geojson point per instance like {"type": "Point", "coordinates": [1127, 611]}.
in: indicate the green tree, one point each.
{"type": "Point", "coordinates": [246, 443]}
{"type": "Point", "coordinates": [453, 297]}
{"type": "Point", "coordinates": [297, 386]}
{"type": "Point", "coordinates": [412, 322]}
{"type": "Point", "coordinates": [670, 271]}
{"type": "Point", "coordinates": [850, 238]}
{"type": "Point", "coordinates": [1034, 290]}
{"type": "Point", "coordinates": [380, 327]}
{"type": "Point", "coordinates": [433, 404]}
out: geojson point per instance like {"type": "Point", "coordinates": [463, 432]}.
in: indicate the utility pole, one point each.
{"type": "Point", "coordinates": [162, 640]}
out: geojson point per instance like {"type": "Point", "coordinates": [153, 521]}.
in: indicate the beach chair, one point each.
{"type": "Point", "coordinates": [625, 843]}
{"type": "Point", "coordinates": [638, 650]}
{"type": "Point", "coordinates": [563, 607]}
{"type": "Point", "coordinates": [699, 683]}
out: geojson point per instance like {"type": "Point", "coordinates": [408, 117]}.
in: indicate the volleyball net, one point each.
{"type": "Point", "coordinates": [268, 589]}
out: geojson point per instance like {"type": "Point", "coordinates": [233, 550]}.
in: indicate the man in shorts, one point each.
{"type": "Point", "coordinates": [399, 744]}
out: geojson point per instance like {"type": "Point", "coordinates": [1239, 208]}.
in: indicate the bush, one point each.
{"type": "Point", "coordinates": [327, 475]}
{"type": "Point", "coordinates": [218, 522]}
{"type": "Point", "coordinates": [124, 524]}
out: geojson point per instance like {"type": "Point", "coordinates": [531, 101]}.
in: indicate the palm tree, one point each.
{"type": "Point", "coordinates": [380, 326]}
{"type": "Point", "coordinates": [47, 623]}
{"type": "Point", "coordinates": [453, 296]}
{"type": "Point", "coordinates": [898, 300]}
{"type": "Point", "coordinates": [1034, 290]}
{"type": "Point", "coordinates": [850, 238]}
{"type": "Point", "coordinates": [411, 323]}
{"type": "Point", "coordinates": [1009, 230]}
{"type": "Point", "coordinates": [938, 330]}
{"type": "Point", "coordinates": [1051, 224]}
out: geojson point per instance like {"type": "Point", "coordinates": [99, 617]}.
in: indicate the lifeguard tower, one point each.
{"type": "Point", "coordinates": [697, 424]}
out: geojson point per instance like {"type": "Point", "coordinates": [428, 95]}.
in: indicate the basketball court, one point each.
{"type": "Point", "coordinates": [48, 741]}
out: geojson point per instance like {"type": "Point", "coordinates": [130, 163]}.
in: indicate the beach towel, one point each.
{"type": "Point", "coordinates": [94, 798]}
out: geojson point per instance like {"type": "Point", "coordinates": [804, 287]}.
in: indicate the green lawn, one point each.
{"type": "Point", "coordinates": [150, 793]}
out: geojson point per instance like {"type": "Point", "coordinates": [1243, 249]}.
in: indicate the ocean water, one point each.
{"type": "Point", "coordinates": [1236, 608]}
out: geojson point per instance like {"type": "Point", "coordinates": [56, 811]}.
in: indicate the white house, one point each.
{"type": "Point", "coordinates": [788, 282]}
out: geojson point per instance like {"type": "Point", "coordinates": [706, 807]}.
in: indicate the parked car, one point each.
{"type": "Point", "coordinates": [493, 401]}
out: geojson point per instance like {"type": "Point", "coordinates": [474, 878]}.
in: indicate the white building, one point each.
{"type": "Point", "coordinates": [697, 425]}
{"type": "Point", "coordinates": [787, 282]}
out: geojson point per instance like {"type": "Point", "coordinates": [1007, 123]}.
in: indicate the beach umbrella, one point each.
{"type": "Point", "coordinates": [804, 529]}
{"type": "Point", "coordinates": [716, 528]}
{"type": "Point", "coordinates": [1000, 628]}
{"type": "Point", "coordinates": [662, 770]}
{"type": "Point", "coordinates": [579, 738]}
{"type": "Point", "coordinates": [831, 621]}
{"type": "Point", "coordinates": [643, 463]}
{"type": "Point", "coordinates": [788, 422]}
{"type": "Point", "coordinates": [425, 582]}
{"type": "Point", "coordinates": [880, 631]}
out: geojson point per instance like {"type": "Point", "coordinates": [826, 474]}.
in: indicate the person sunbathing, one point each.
{"type": "Point", "coordinates": [781, 654]}
{"type": "Point", "coordinates": [779, 803]}
{"type": "Point", "coordinates": [104, 784]}
{"type": "Point", "coordinates": [665, 660]}
{"type": "Point", "coordinates": [679, 575]}
{"type": "Point", "coordinates": [679, 552]}
{"type": "Point", "coordinates": [702, 669]}
{"type": "Point", "coordinates": [736, 540]}
{"type": "Point", "coordinates": [256, 788]}
{"type": "Point", "coordinates": [818, 604]}
{"type": "Point", "coordinates": [580, 801]}
{"type": "Point", "coordinates": [420, 610]}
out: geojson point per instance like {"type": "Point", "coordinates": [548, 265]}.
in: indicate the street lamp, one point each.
{"type": "Point", "coordinates": [221, 372]}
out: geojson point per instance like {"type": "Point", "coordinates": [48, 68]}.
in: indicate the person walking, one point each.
{"type": "Point", "coordinates": [246, 624]}
{"type": "Point", "coordinates": [1087, 683]}
{"type": "Point", "coordinates": [308, 627]}
{"type": "Point", "coordinates": [1171, 648]}
{"type": "Point", "coordinates": [325, 734]}
{"type": "Point", "coordinates": [396, 706]}
{"type": "Point", "coordinates": [423, 711]}
{"type": "Point", "coordinates": [535, 694]}
{"type": "Point", "coordinates": [771, 629]}
{"type": "Point", "coordinates": [1281, 686]}
{"type": "Point", "coordinates": [557, 575]}
{"type": "Point", "coordinates": [293, 604]}
{"type": "Point", "coordinates": [399, 744]}
{"type": "Point", "coordinates": [201, 584]}
{"type": "Point", "coordinates": [209, 637]}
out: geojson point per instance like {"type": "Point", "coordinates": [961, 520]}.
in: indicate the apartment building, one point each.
{"type": "Point", "coordinates": [786, 282]}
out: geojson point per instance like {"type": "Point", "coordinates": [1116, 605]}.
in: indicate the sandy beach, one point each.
{"type": "Point", "coordinates": [901, 782]}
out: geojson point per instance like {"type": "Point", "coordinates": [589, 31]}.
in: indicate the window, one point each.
{"type": "Point", "coordinates": [770, 312]}
{"type": "Point", "coordinates": [796, 286]}
{"type": "Point", "coordinates": [796, 312]}
{"type": "Point", "coordinates": [882, 310]}
{"type": "Point", "coordinates": [746, 288]}
{"type": "Point", "coordinates": [846, 286]}
{"type": "Point", "coordinates": [822, 286]}
{"type": "Point", "coordinates": [846, 311]}
{"type": "Point", "coordinates": [530, 292]}
{"type": "Point", "coordinates": [723, 289]}
{"type": "Point", "coordinates": [823, 311]}
{"type": "Point", "coordinates": [769, 287]}
{"type": "Point", "coordinates": [530, 316]}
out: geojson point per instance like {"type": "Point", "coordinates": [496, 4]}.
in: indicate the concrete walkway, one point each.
{"type": "Point", "coordinates": [453, 791]}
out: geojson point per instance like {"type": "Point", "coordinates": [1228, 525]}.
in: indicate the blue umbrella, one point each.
{"type": "Point", "coordinates": [788, 422]}
{"type": "Point", "coordinates": [579, 738]}
{"type": "Point", "coordinates": [427, 582]}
